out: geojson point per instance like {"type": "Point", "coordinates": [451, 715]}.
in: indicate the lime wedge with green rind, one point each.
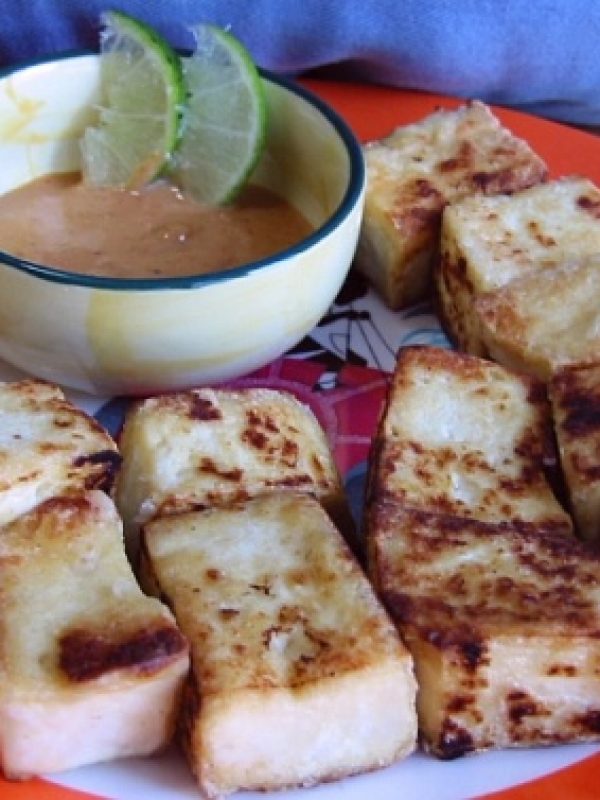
{"type": "Point", "coordinates": [225, 118]}
{"type": "Point", "coordinates": [143, 96]}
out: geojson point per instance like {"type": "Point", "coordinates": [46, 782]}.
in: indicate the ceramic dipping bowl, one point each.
{"type": "Point", "coordinates": [109, 336]}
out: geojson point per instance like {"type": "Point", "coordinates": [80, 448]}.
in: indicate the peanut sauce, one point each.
{"type": "Point", "coordinates": [158, 232]}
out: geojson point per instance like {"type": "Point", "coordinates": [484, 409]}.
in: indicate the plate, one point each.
{"type": "Point", "coordinates": [340, 370]}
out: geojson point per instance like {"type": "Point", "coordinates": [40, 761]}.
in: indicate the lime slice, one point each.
{"type": "Point", "coordinates": [225, 118]}
{"type": "Point", "coordinates": [143, 96]}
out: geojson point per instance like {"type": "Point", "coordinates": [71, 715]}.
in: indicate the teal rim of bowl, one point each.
{"type": "Point", "coordinates": [351, 196]}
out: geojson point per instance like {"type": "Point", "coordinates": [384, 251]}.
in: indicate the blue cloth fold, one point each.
{"type": "Point", "coordinates": [539, 55]}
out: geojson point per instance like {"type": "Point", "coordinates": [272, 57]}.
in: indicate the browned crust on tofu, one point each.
{"type": "Point", "coordinates": [85, 454]}
{"type": "Point", "coordinates": [576, 389]}
{"type": "Point", "coordinates": [87, 655]}
{"type": "Point", "coordinates": [229, 445]}
{"type": "Point", "coordinates": [454, 291]}
{"type": "Point", "coordinates": [552, 574]}
{"type": "Point", "coordinates": [575, 396]}
{"type": "Point", "coordinates": [268, 432]}
{"type": "Point", "coordinates": [516, 279]}
{"type": "Point", "coordinates": [544, 606]}
{"type": "Point", "coordinates": [56, 537]}
{"type": "Point", "coordinates": [535, 451]}
{"type": "Point", "coordinates": [412, 179]}
{"type": "Point", "coordinates": [90, 667]}
{"type": "Point", "coordinates": [100, 466]}
{"type": "Point", "coordinates": [541, 322]}
{"type": "Point", "coordinates": [282, 624]}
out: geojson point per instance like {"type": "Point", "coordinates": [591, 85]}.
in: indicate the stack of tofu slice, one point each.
{"type": "Point", "coordinates": [91, 668]}
{"type": "Point", "coordinates": [460, 211]}
{"type": "Point", "coordinates": [497, 600]}
{"type": "Point", "coordinates": [414, 173]}
{"type": "Point", "coordinates": [297, 675]}
{"type": "Point", "coordinates": [278, 666]}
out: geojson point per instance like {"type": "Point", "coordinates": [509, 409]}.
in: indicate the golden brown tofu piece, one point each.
{"type": "Point", "coordinates": [463, 436]}
{"type": "Point", "coordinates": [210, 446]}
{"type": "Point", "coordinates": [575, 396]}
{"type": "Point", "coordinates": [491, 243]}
{"type": "Point", "coordinates": [413, 173]}
{"type": "Point", "coordinates": [91, 668]}
{"type": "Point", "coordinates": [298, 674]}
{"type": "Point", "coordinates": [48, 447]}
{"type": "Point", "coordinates": [502, 624]}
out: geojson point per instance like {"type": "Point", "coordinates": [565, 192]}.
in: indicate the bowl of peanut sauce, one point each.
{"type": "Point", "coordinates": [108, 291]}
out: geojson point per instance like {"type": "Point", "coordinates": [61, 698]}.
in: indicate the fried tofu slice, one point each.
{"type": "Point", "coordinates": [91, 668]}
{"type": "Point", "coordinates": [209, 446]}
{"type": "Point", "coordinates": [575, 397]}
{"type": "Point", "coordinates": [298, 674]}
{"type": "Point", "coordinates": [413, 173]}
{"type": "Point", "coordinates": [48, 447]}
{"type": "Point", "coordinates": [544, 320]}
{"type": "Point", "coordinates": [515, 243]}
{"type": "Point", "coordinates": [465, 437]}
{"type": "Point", "coordinates": [503, 626]}
{"type": "Point", "coordinates": [476, 560]}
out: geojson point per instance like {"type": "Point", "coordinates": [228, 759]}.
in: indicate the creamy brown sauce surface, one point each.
{"type": "Point", "coordinates": [60, 221]}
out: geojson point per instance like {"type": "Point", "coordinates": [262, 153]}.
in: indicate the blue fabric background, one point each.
{"type": "Point", "coordinates": [543, 56]}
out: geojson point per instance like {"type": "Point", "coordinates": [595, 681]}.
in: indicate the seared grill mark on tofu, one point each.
{"type": "Point", "coordinates": [582, 412]}
{"type": "Point", "coordinates": [521, 705]}
{"type": "Point", "coordinates": [262, 420]}
{"type": "Point", "coordinates": [589, 721]}
{"type": "Point", "coordinates": [589, 473]}
{"type": "Point", "coordinates": [213, 574]}
{"type": "Point", "coordinates": [575, 397]}
{"type": "Point", "coordinates": [583, 416]}
{"type": "Point", "coordinates": [68, 509]}
{"type": "Point", "coordinates": [264, 587]}
{"type": "Point", "coordinates": [500, 181]}
{"type": "Point", "coordinates": [85, 656]}
{"type": "Point", "coordinates": [203, 409]}
{"type": "Point", "coordinates": [460, 703]}
{"type": "Point", "coordinates": [263, 433]}
{"type": "Point", "coordinates": [474, 654]}
{"type": "Point", "coordinates": [33, 475]}
{"type": "Point", "coordinates": [418, 207]}
{"type": "Point", "coordinates": [461, 161]}
{"type": "Point", "coordinates": [291, 482]}
{"type": "Point", "coordinates": [109, 458]}
{"type": "Point", "coordinates": [590, 204]}
{"type": "Point", "coordinates": [228, 613]}
{"type": "Point", "coordinates": [534, 229]}
{"type": "Point", "coordinates": [208, 466]}
{"type": "Point", "coordinates": [562, 670]}
{"type": "Point", "coordinates": [255, 438]}
{"type": "Point", "coordinates": [107, 462]}
{"type": "Point", "coordinates": [62, 422]}
{"type": "Point", "coordinates": [455, 741]}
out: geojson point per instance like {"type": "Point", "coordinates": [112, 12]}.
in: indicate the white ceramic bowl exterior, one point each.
{"type": "Point", "coordinates": [104, 336]}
